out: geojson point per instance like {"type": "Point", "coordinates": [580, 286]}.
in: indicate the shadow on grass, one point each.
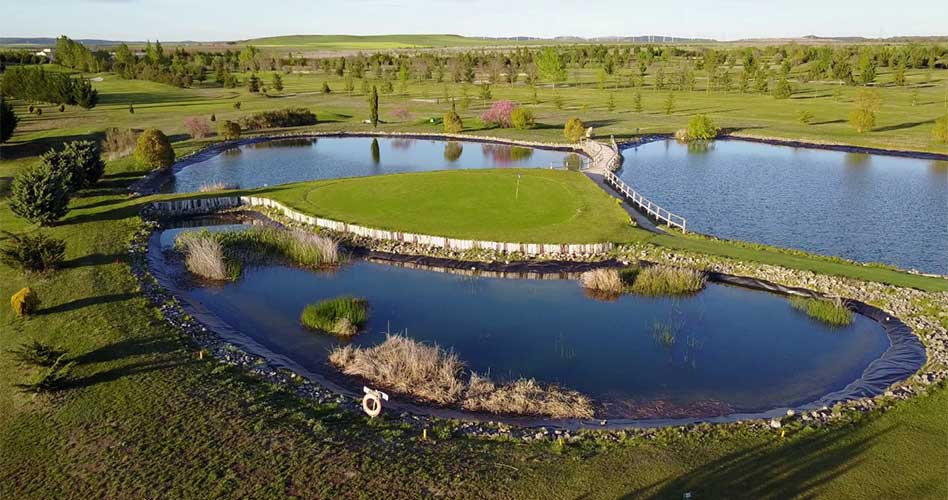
{"type": "Point", "coordinates": [94, 259]}
{"type": "Point", "coordinates": [37, 147]}
{"type": "Point", "coordinates": [792, 470]}
{"type": "Point", "coordinates": [86, 302]}
{"type": "Point", "coordinates": [901, 126]}
{"type": "Point", "coordinates": [828, 122]}
{"type": "Point", "coordinates": [152, 350]}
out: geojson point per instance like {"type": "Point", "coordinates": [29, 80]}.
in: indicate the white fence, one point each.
{"type": "Point", "coordinates": [191, 206]}
{"type": "Point", "coordinates": [644, 203]}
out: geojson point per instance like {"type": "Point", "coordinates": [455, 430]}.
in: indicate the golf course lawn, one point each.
{"type": "Point", "coordinates": [515, 205]}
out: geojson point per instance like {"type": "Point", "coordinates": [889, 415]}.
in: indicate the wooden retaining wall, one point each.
{"type": "Point", "coordinates": [194, 206]}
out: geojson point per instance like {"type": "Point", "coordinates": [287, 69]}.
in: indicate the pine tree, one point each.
{"type": "Point", "coordinates": [374, 107]}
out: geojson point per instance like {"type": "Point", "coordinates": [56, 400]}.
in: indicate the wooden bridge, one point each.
{"type": "Point", "coordinates": [605, 161]}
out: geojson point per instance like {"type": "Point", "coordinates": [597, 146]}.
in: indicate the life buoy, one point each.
{"type": "Point", "coordinates": [371, 404]}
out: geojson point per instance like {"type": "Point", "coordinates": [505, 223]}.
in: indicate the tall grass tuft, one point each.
{"type": "Point", "coordinates": [204, 256]}
{"type": "Point", "coordinates": [341, 315]}
{"type": "Point", "coordinates": [833, 312]}
{"type": "Point", "coordinates": [604, 281]}
{"type": "Point", "coordinates": [210, 187]}
{"type": "Point", "coordinates": [525, 397]}
{"type": "Point", "coordinates": [665, 280]}
{"type": "Point", "coordinates": [406, 366]}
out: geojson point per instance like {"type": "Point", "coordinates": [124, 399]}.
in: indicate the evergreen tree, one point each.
{"type": "Point", "coordinates": [277, 82]}
{"type": "Point", "coordinates": [8, 120]}
{"type": "Point", "coordinates": [40, 194]}
{"type": "Point", "coordinates": [374, 107]}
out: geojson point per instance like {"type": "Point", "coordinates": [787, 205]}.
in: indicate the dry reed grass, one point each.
{"type": "Point", "coordinates": [602, 280]}
{"type": "Point", "coordinates": [525, 397]}
{"type": "Point", "coordinates": [204, 256]}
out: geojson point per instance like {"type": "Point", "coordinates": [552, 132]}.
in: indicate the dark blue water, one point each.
{"type": "Point", "coordinates": [733, 350]}
{"type": "Point", "coordinates": [869, 208]}
{"type": "Point", "coordinates": [294, 160]}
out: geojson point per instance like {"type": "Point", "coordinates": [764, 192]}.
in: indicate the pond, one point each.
{"type": "Point", "coordinates": [727, 349]}
{"type": "Point", "coordinates": [282, 161]}
{"type": "Point", "coordinates": [865, 207]}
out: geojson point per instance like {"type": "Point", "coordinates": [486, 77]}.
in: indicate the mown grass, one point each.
{"type": "Point", "coordinates": [550, 206]}
{"type": "Point", "coordinates": [342, 315]}
{"type": "Point", "coordinates": [833, 312]}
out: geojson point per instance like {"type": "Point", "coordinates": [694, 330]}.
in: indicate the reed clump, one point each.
{"type": "Point", "coordinates": [525, 397]}
{"type": "Point", "coordinates": [433, 374]}
{"type": "Point", "coordinates": [204, 256]}
{"type": "Point", "coordinates": [832, 311]}
{"type": "Point", "coordinates": [659, 280]}
{"type": "Point", "coordinates": [406, 366]}
{"type": "Point", "coordinates": [602, 281]}
{"type": "Point", "coordinates": [342, 316]}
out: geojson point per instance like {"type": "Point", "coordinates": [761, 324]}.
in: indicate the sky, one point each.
{"type": "Point", "coordinates": [216, 20]}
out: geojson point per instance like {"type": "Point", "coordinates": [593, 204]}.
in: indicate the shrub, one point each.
{"type": "Point", "coordinates": [153, 149]}
{"type": "Point", "coordinates": [406, 366]}
{"type": "Point", "coordinates": [833, 312]}
{"type": "Point", "coordinates": [522, 118]}
{"type": "Point", "coordinates": [342, 315]}
{"type": "Point", "coordinates": [664, 280]}
{"type": "Point", "coordinates": [198, 127]}
{"type": "Point", "coordinates": [32, 253]}
{"type": "Point", "coordinates": [36, 354]}
{"type": "Point", "coordinates": [62, 108]}
{"type": "Point", "coordinates": [401, 113]}
{"type": "Point", "coordinates": [24, 302]}
{"type": "Point", "coordinates": [50, 379]}
{"type": "Point", "coordinates": [79, 161]}
{"type": "Point", "coordinates": [40, 194]}
{"type": "Point", "coordinates": [453, 123]}
{"type": "Point", "coordinates": [326, 88]}
{"type": "Point", "coordinates": [940, 130]}
{"type": "Point", "coordinates": [863, 120]}
{"type": "Point", "coordinates": [228, 130]}
{"type": "Point", "coordinates": [499, 114]}
{"type": "Point", "coordinates": [8, 120]}
{"type": "Point", "coordinates": [120, 142]}
{"type": "Point", "coordinates": [574, 130]}
{"type": "Point", "coordinates": [602, 280]}
{"type": "Point", "coordinates": [702, 128]}
{"type": "Point", "coordinates": [289, 117]}
{"type": "Point", "coordinates": [525, 397]}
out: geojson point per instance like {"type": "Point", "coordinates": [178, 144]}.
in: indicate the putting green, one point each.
{"type": "Point", "coordinates": [517, 205]}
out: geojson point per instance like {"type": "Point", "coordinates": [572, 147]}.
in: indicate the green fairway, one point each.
{"type": "Point", "coordinates": [515, 205]}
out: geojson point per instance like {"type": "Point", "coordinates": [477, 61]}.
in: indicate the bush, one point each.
{"type": "Point", "coordinates": [522, 118]}
{"type": "Point", "coordinates": [86, 97]}
{"type": "Point", "coordinates": [228, 130]}
{"type": "Point", "coordinates": [32, 253]}
{"type": "Point", "coordinates": [401, 113]}
{"type": "Point", "coordinates": [153, 149]}
{"type": "Point", "coordinates": [833, 312]}
{"type": "Point", "coordinates": [605, 281]}
{"type": "Point", "coordinates": [940, 130]}
{"type": "Point", "coordinates": [120, 142]}
{"type": "Point", "coordinates": [342, 315]}
{"type": "Point", "coordinates": [499, 114]}
{"type": "Point", "coordinates": [702, 128]}
{"type": "Point", "coordinates": [289, 117]}
{"type": "Point", "coordinates": [574, 130]}
{"type": "Point", "coordinates": [8, 120]}
{"type": "Point", "coordinates": [24, 302]}
{"type": "Point", "coordinates": [198, 127]}
{"type": "Point", "coordinates": [204, 256]}
{"type": "Point", "coordinates": [453, 123]}
{"type": "Point", "coordinates": [863, 120]}
{"type": "Point", "coordinates": [664, 280]}
{"type": "Point", "coordinates": [79, 161]}
{"type": "Point", "coordinates": [37, 354]}
{"type": "Point", "coordinates": [40, 194]}
{"type": "Point", "coordinates": [326, 89]}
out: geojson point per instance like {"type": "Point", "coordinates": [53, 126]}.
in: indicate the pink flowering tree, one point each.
{"type": "Point", "coordinates": [401, 113]}
{"type": "Point", "coordinates": [197, 126]}
{"type": "Point", "coordinates": [499, 114]}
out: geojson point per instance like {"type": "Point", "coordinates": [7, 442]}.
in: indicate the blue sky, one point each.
{"type": "Point", "coordinates": [240, 19]}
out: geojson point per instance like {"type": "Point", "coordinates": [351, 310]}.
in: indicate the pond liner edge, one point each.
{"type": "Point", "coordinates": [904, 357]}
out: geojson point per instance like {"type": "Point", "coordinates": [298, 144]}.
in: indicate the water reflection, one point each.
{"type": "Point", "coordinates": [376, 154]}
{"type": "Point", "coordinates": [700, 147]}
{"type": "Point", "coordinates": [453, 151]}
{"type": "Point", "coordinates": [402, 144]}
{"type": "Point", "coordinates": [857, 159]}
{"type": "Point", "coordinates": [573, 161]}
{"type": "Point", "coordinates": [505, 155]}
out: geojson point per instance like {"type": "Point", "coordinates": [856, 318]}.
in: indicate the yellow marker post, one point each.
{"type": "Point", "coordinates": [424, 434]}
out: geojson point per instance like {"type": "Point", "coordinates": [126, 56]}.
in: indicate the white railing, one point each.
{"type": "Point", "coordinates": [644, 203]}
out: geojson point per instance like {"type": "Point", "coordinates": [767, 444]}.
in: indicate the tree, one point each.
{"type": "Point", "coordinates": [867, 68]}
{"type": "Point", "coordinates": [253, 83]}
{"type": "Point", "coordinates": [40, 194]}
{"type": "Point", "coordinates": [8, 120]}
{"type": "Point", "coordinates": [374, 107]}
{"type": "Point", "coordinates": [782, 90]}
{"type": "Point", "coordinates": [701, 128]}
{"type": "Point", "coordinates": [551, 66]}
{"type": "Point", "coordinates": [453, 123]}
{"type": "Point", "coordinates": [637, 102]}
{"type": "Point", "coordinates": [611, 102]}
{"type": "Point", "coordinates": [522, 118]}
{"type": "Point", "coordinates": [669, 104]}
{"type": "Point", "coordinates": [228, 130]}
{"type": "Point", "coordinates": [249, 58]}
{"type": "Point", "coordinates": [326, 88]}
{"type": "Point", "coordinates": [84, 95]}
{"type": "Point", "coordinates": [574, 130]}
{"type": "Point", "coordinates": [154, 150]}
{"type": "Point", "coordinates": [898, 75]}
{"type": "Point", "coordinates": [940, 130]}
{"type": "Point", "coordinates": [499, 114]}
{"type": "Point", "coordinates": [277, 82]}
{"type": "Point", "coordinates": [197, 126]}
{"type": "Point", "coordinates": [863, 116]}
{"type": "Point", "coordinates": [485, 92]}
{"type": "Point", "coordinates": [80, 163]}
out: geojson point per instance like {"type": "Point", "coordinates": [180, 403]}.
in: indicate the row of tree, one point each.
{"type": "Point", "coordinates": [35, 84]}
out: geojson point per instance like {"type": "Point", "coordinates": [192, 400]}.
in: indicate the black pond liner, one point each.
{"type": "Point", "coordinates": [905, 355]}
